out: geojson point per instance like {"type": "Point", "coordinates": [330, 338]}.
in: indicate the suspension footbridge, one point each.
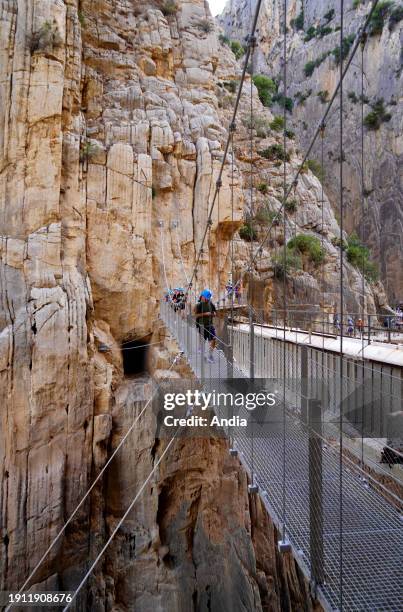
{"type": "Point", "coordinates": [300, 475]}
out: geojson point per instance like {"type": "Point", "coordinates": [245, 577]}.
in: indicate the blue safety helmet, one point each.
{"type": "Point", "coordinates": [206, 294]}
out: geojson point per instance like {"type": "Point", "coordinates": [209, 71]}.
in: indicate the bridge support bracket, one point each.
{"type": "Point", "coordinates": [233, 452]}
{"type": "Point", "coordinates": [103, 348]}
{"type": "Point", "coordinates": [253, 488]}
{"type": "Point", "coordinates": [284, 546]}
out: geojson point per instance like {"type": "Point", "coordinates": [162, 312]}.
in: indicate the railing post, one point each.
{"type": "Point", "coordinates": [369, 329]}
{"type": "Point", "coordinates": [315, 492]}
{"type": "Point", "coordinates": [188, 328]}
{"type": "Point", "coordinates": [229, 350]}
{"type": "Point", "coordinates": [202, 348]}
{"type": "Point", "coordinates": [304, 384]}
{"type": "Point", "coordinates": [251, 346]}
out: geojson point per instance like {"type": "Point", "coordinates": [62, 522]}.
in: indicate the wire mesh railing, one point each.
{"type": "Point", "coordinates": [300, 470]}
{"type": "Point", "coordinates": [366, 327]}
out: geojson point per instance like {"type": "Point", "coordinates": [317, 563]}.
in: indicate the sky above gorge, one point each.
{"type": "Point", "coordinates": [216, 6]}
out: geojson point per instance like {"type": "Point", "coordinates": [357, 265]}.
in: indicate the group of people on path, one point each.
{"type": "Point", "coordinates": [357, 325]}
{"type": "Point", "coordinates": [177, 298]}
{"type": "Point", "coordinates": [234, 291]}
{"type": "Point", "coordinates": [352, 325]}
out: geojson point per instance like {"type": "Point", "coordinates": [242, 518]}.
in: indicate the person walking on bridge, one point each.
{"type": "Point", "coordinates": [360, 326]}
{"type": "Point", "coordinates": [350, 326]}
{"type": "Point", "coordinates": [205, 312]}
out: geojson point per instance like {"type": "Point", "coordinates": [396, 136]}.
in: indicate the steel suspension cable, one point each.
{"type": "Point", "coordinates": [233, 120]}
{"type": "Point", "coordinates": [168, 287]}
{"type": "Point", "coordinates": [85, 497]}
{"type": "Point", "coordinates": [284, 438]}
{"type": "Point", "coordinates": [363, 303]}
{"type": "Point", "coordinates": [120, 522]}
{"type": "Point", "coordinates": [180, 252]}
{"type": "Point", "coordinates": [322, 198]}
{"type": "Point", "coordinates": [341, 154]}
{"type": "Point", "coordinates": [343, 73]}
{"type": "Point", "coordinates": [252, 42]}
{"type": "Point", "coordinates": [217, 242]}
{"type": "Point", "coordinates": [232, 228]}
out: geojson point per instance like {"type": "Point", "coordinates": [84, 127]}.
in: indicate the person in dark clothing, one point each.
{"type": "Point", "coordinates": [205, 312]}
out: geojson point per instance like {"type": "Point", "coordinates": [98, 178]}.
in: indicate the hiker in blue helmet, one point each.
{"type": "Point", "coordinates": [204, 313]}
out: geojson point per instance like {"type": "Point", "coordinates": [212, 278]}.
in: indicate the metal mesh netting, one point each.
{"type": "Point", "coordinates": [307, 495]}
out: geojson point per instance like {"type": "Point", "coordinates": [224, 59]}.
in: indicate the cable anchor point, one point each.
{"type": "Point", "coordinates": [252, 41]}
{"type": "Point", "coordinates": [284, 546]}
{"type": "Point", "coordinates": [103, 348]}
{"type": "Point", "coordinates": [232, 126]}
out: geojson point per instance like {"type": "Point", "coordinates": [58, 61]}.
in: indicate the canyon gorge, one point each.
{"type": "Point", "coordinates": [113, 120]}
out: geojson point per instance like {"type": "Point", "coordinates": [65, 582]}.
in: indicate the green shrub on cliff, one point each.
{"type": "Point", "coordinates": [310, 33]}
{"type": "Point", "coordinates": [275, 152]}
{"type": "Point", "coordinates": [345, 50]}
{"type": "Point", "coordinates": [358, 255]}
{"type": "Point", "coordinates": [310, 66]}
{"type": "Point", "coordinates": [284, 264]}
{"type": "Point", "coordinates": [46, 38]}
{"type": "Point", "coordinates": [266, 88]}
{"type": "Point", "coordinates": [277, 124]}
{"type": "Point", "coordinates": [284, 101]}
{"type": "Point", "coordinates": [237, 49]}
{"type": "Point", "coordinates": [316, 168]}
{"type": "Point", "coordinates": [88, 150]}
{"type": "Point", "coordinates": [329, 15]}
{"type": "Point", "coordinates": [395, 17]}
{"type": "Point", "coordinates": [169, 8]}
{"type": "Point", "coordinates": [205, 26]}
{"type": "Point", "coordinates": [323, 96]}
{"type": "Point", "coordinates": [307, 245]}
{"type": "Point", "coordinates": [298, 22]}
{"type": "Point", "coordinates": [379, 16]}
{"type": "Point", "coordinates": [247, 232]}
{"type": "Point", "coordinates": [377, 116]}
{"type": "Point", "coordinates": [260, 124]}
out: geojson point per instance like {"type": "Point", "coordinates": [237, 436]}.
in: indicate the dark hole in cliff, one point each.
{"type": "Point", "coordinates": [135, 354]}
{"type": "Point", "coordinates": [6, 540]}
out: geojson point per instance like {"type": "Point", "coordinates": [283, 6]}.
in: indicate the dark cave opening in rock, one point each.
{"type": "Point", "coordinates": [135, 356]}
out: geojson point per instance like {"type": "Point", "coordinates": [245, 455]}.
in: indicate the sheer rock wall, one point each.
{"type": "Point", "coordinates": [380, 225]}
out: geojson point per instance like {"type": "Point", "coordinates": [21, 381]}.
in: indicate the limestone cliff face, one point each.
{"type": "Point", "coordinates": [380, 226]}
{"type": "Point", "coordinates": [112, 124]}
